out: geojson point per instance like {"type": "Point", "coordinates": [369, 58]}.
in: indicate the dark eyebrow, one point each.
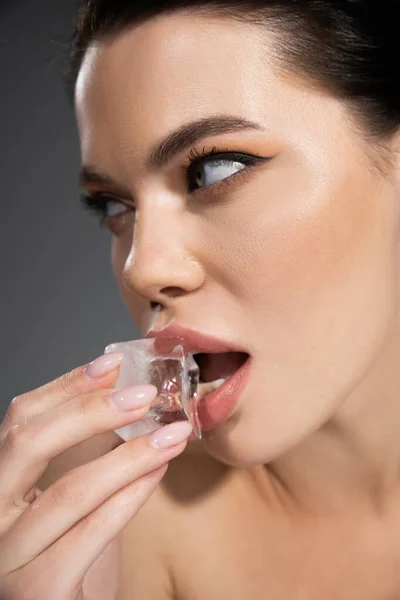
{"type": "Point", "coordinates": [188, 134]}
{"type": "Point", "coordinates": [174, 144]}
{"type": "Point", "coordinates": [89, 174]}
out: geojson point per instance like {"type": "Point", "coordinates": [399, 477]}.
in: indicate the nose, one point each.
{"type": "Point", "coordinates": [162, 261]}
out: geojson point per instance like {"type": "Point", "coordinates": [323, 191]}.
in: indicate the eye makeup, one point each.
{"type": "Point", "coordinates": [100, 203]}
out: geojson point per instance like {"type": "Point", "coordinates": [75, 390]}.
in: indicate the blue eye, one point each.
{"type": "Point", "coordinates": [205, 169]}
{"type": "Point", "coordinates": [213, 171]}
{"type": "Point", "coordinates": [208, 169]}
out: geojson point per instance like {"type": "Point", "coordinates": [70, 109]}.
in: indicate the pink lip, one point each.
{"type": "Point", "coordinates": [216, 407]}
{"type": "Point", "coordinates": [195, 341]}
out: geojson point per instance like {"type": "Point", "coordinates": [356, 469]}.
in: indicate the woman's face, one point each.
{"type": "Point", "coordinates": [293, 256]}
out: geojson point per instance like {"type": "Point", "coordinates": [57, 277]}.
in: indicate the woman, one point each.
{"type": "Point", "coordinates": [246, 158]}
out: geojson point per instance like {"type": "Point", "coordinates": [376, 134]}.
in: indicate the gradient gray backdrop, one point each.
{"type": "Point", "coordinates": [60, 305]}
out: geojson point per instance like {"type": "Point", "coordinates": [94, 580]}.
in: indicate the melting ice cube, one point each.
{"type": "Point", "coordinates": [163, 363]}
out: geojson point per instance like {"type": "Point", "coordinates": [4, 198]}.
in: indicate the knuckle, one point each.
{"type": "Point", "coordinates": [89, 411]}
{"type": "Point", "coordinates": [66, 492]}
{"type": "Point", "coordinates": [16, 413]}
{"type": "Point", "coordinates": [94, 402]}
{"type": "Point", "coordinates": [19, 436]}
{"type": "Point", "coordinates": [16, 409]}
{"type": "Point", "coordinates": [103, 398]}
{"type": "Point", "coordinates": [82, 406]}
{"type": "Point", "coordinates": [135, 454]}
{"type": "Point", "coordinates": [68, 383]}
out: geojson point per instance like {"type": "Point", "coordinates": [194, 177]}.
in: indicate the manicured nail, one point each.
{"type": "Point", "coordinates": [104, 364]}
{"type": "Point", "coordinates": [132, 397]}
{"type": "Point", "coordinates": [170, 435]}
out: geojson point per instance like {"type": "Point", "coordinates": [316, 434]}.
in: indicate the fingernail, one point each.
{"type": "Point", "coordinates": [132, 397]}
{"type": "Point", "coordinates": [170, 435]}
{"type": "Point", "coordinates": [104, 364]}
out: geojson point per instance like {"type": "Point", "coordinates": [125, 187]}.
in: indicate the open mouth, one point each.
{"type": "Point", "coordinates": [215, 369]}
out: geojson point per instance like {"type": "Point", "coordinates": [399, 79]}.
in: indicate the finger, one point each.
{"type": "Point", "coordinates": [81, 491]}
{"type": "Point", "coordinates": [77, 382]}
{"type": "Point", "coordinates": [105, 523]}
{"type": "Point", "coordinates": [29, 447]}
{"type": "Point", "coordinates": [70, 557]}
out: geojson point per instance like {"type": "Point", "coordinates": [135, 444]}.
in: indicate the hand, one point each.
{"type": "Point", "coordinates": [49, 540]}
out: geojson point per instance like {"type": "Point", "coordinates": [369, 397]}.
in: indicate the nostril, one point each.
{"type": "Point", "coordinates": [155, 306]}
{"type": "Point", "coordinates": [173, 291]}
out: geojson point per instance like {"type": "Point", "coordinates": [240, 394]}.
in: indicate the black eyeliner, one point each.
{"type": "Point", "coordinates": [97, 204]}
{"type": "Point", "coordinates": [198, 159]}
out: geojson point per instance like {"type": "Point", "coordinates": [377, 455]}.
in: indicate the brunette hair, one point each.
{"type": "Point", "coordinates": [349, 48]}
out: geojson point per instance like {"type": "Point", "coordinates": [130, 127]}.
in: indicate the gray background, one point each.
{"type": "Point", "coordinates": [60, 305]}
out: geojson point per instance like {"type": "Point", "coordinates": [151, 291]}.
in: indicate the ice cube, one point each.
{"type": "Point", "coordinates": [163, 363]}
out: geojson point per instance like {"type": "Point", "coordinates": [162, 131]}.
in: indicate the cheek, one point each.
{"type": "Point", "coordinates": [314, 270]}
{"type": "Point", "coordinates": [304, 255]}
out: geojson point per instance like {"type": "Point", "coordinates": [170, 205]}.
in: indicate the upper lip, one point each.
{"type": "Point", "coordinates": [196, 341]}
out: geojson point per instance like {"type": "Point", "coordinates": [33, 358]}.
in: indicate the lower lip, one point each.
{"type": "Point", "coordinates": [214, 408]}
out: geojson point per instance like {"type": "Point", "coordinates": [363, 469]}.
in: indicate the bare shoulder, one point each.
{"type": "Point", "coordinates": [141, 561]}
{"type": "Point", "coordinates": [191, 477]}
{"type": "Point", "coordinates": [151, 544]}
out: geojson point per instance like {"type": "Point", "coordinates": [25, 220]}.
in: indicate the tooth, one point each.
{"type": "Point", "coordinates": [210, 386]}
{"type": "Point", "coordinates": [218, 382]}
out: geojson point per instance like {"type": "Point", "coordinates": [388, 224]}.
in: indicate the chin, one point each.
{"type": "Point", "coordinates": [240, 456]}
{"type": "Point", "coordinates": [254, 436]}
{"type": "Point", "coordinates": [237, 444]}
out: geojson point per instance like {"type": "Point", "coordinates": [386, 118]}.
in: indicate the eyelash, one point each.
{"type": "Point", "coordinates": [97, 203]}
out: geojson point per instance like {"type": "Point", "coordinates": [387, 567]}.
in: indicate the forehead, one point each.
{"type": "Point", "coordinates": [173, 59]}
{"type": "Point", "coordinates": [152, 78]}
{"type": "Point", "coordinates": [149, 80]}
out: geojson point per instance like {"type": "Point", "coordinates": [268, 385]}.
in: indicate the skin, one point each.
{"type": "Point", "coordinates": [298, 258]}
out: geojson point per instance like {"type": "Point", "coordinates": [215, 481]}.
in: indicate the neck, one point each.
{"type": "Point", "coordinates": [353, 461]}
